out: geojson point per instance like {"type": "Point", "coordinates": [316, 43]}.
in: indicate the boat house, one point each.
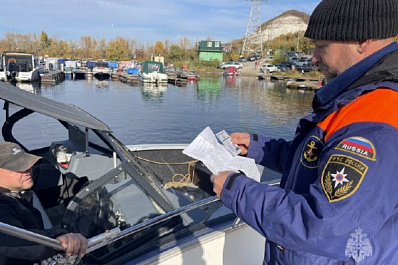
{"type": "Point", "coordinates": [210, 50]}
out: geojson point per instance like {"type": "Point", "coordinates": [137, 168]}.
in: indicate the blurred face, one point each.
{"type": "Point", "coordinates": [16, 181]}
{"type": "Point", "coordinates": [334, 57]}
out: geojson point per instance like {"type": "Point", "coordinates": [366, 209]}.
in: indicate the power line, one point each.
{"type": "Point", "coordinates": [253, 41]}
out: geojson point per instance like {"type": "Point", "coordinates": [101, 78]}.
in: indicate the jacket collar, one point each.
{"type": "Point", "coordinates": [335, 87]}
{"type": "Point", "coordinates": [26, 194]}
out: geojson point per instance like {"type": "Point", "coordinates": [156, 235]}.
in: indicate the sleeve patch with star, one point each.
{"type": "Point", "coordinates": [342, 176]}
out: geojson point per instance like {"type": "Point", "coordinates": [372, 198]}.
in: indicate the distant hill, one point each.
{"type": "Point", "coordinates": [288, 22]}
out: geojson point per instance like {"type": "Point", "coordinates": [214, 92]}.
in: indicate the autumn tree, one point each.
{"type": "Point", "coordinates": [140, 52]}
{"type": "Point", "coordinates": [159, 48]}
{"type": "Point", "coordinates": [44, 41]}
{"type": "Point", "coordinates": [100, 52]}
{"type": "Point", "coordinates": [87, 47]}
{"type": "Point", "coordinates": [166, 48]}
{"type": "Point", "coordinates": [118, 49]}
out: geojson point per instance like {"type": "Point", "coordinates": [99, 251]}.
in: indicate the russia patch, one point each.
{"type": "Point", "coordinates": [342, 176]}
{"type": "Point", "coordinates": [311, 151]}
{"type": "Point", "coordinates": [359, 146]}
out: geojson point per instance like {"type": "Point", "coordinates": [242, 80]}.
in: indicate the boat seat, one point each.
{"type": "Point", "coordinates": [37, 204]}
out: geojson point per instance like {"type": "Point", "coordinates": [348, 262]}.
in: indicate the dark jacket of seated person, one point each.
{"type": "Point", "coordinates": [17, 210]}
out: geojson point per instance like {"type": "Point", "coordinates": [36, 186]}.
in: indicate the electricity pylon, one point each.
{"type": "Point", "coordinates": [253, 41]}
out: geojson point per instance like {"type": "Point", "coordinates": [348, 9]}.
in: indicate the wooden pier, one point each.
{"type": "Point", "coordinates": [53, 77]}
{"type": "Point", "coordinates": [177, 81]}
{"type": "Point", "coordinates": [128, 78]}
{"type": "Point", "coordinates": [115, 76]}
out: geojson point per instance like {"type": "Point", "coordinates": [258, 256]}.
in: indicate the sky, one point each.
{"type": "Point", "coordinates": [145, 21]}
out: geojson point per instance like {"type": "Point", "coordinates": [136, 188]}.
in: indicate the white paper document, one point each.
{"type": "Point", "coordinates": [217, 158]}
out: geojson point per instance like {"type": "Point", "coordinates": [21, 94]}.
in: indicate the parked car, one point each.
{"type": "Point", "coordinates": [231, 64]}
{"type": "Point", "coordinates": [254, 57]}
{"type": "Point", "coordinates": [294, 60]}
{"type": "Point", "coordinates": [283, 66]}
{"type": "Point", "coordinates": [302, 61]}
{"type": "Point", "coordinates": [221, 64]}
{"type": "Point", "coordinates": [308, 67]}
{"type": "Point", "coordinates": [241, 59]}
{"type": "Point", "coordinates": [268, 68]}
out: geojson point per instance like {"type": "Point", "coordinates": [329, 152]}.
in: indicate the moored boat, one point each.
{"type": "Point", "coordinates": [152, 72]}
{"type": "Point", "coordinates": [231, 71]}
{"type": "Point", "coordinates": [20, 67]}
{"type": "Point", "coordinates": [137, 204]}
{"type": "Point", "coordinates": [101, 70]}
{"type": "Point", "coordinates": [298, 83]}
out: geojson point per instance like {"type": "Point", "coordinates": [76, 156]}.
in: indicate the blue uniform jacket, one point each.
{"type": "Point", "coordinates": [338, 198]}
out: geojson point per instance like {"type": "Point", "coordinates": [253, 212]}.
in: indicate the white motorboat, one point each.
{"type": "Point", "coordinates": [152, 72]}
{"type": "Point", "coordinates": [101, 70]}
{"type": "Point", "coordinates": [20, 67]}
{"type": "Point", "coordinates": [138, 204]}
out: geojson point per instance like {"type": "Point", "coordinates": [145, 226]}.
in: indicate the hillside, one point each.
{"type": "Point", "coordinates": [288, 22]}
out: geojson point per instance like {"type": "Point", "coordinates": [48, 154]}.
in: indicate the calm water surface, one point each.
{"type": "Point", "coordinates": [170, 114]}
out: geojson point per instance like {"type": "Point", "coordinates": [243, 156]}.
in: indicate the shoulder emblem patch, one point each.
{"type": "Point", "coordinates": [311, 150]}
{"type": "Point", "coordinates": [342, 176]}
{"type": "Point", "coordinates": [359, 146]}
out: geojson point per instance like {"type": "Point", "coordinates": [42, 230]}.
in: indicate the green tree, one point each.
{"type": "Point", "coordinates": [176, 53]}
{"type": "Point", "coordinates": [45, 41]}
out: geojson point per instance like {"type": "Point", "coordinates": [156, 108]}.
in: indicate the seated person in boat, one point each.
{"type": "Point", "coordinates": [17, 210]}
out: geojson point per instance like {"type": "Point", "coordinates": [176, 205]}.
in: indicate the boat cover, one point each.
{"type": "Point", "coordinates": [112, 65]}
{"type": "Point", "coordinates": [152, 66]}
{"type": "Point", "coordinates": [90, 64]}
{"type": "Point", "coordinates": [133, 71]}
{"type": "Point", "coordinates": [70, 64]}
{"type": "Point", "coordinates": [57, 110]}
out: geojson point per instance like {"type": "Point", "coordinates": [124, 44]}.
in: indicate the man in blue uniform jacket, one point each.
{"type": "Point", "coordinates": [338, 198]}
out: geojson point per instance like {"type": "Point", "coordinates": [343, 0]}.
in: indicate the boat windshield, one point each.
{"type": "Point", "coordinates": [118, 200]}
{"type": "Point", "coordinates": [19, 62]}
{"type": "Point", "coordinates": [154, 67]}
{"type": "Point", "coordinates": [101, 64]}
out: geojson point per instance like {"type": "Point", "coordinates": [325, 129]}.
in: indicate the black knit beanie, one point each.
{"type": "Point", "coordinates": [345, 20]}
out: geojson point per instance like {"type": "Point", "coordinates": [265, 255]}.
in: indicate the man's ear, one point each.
{"type": "Point", "coordinates": [362, 45]}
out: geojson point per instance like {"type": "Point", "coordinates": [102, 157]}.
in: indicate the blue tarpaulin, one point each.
{"type": "Point", "coordinates": [90, 64]}
{"type": "Point", "coordinates": [133, 71]}
{"type": "Point", "coordinates": [112, 65]}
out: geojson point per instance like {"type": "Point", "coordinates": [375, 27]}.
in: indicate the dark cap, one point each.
{"type": "Point", "coordinates": [348, 20]}
{"type": "Point", "coordinates": [14, 158]}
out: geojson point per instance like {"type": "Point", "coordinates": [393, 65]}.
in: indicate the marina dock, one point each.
{"type": "Point", "coordinates": [53, 77]}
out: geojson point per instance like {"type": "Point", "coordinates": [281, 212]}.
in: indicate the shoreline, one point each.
{"type": "Point", "coordinates": [249, 70]}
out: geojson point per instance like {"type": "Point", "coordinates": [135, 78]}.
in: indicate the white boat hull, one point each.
{"type": "Point", "coordinates": [236, 246]}
{"type": "Point", "coordinates": [28, 76]}
{"type": "Point", "coordinates": [153, 77]}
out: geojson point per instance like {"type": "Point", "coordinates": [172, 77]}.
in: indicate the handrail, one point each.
{"type": "Point", "coordinates": [31, 236]}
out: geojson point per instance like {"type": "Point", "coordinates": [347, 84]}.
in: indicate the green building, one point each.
{"type": "Point", "coordinates": [210, 50]}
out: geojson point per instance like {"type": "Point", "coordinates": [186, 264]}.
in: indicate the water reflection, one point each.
{"type": "Point", "coordinates": [231, 81]}
{"type": "Point", "coordinates": [33, 87]}
{"type": "Point", "coordinates": [208, 88]}
{"type": "Point", "coordinates": [153, 92]}
{"type": "Point", "coordinates": [101, 83]}
{"type": "Point", "coordinates": [177, 114]}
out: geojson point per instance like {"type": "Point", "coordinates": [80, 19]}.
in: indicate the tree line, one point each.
{"type": "Point", "coordinates": [121, 48]}
{"type": "Point", "coordinates": [93, 48]}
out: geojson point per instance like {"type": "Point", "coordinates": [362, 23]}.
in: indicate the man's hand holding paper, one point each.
{"type": "Point", "coordinates": [217, 158]}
